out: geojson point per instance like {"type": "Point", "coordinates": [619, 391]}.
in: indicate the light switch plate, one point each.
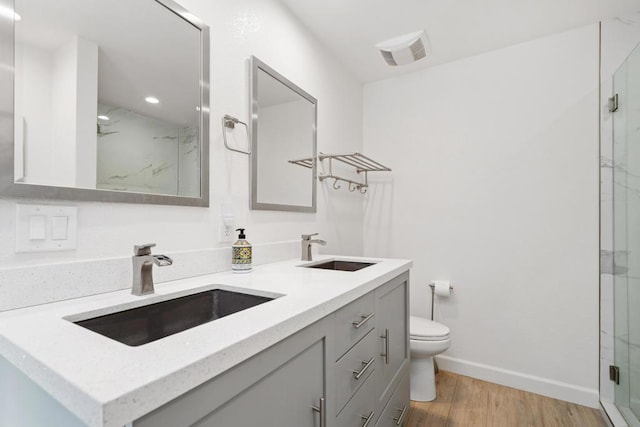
{"type": "Point", "coordinates": [54, 237]}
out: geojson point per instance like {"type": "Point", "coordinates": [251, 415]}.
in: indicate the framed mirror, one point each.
{"type": "Point", "coordinates": [104, 101]}
{"type": "Point", "coordinates": [283, 141]}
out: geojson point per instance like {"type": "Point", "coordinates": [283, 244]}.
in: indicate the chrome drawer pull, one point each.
{"type": "Point", "coordinates": [322, 410]}
{"type": "Point", "coordinates": [385, 337]}
{"type": "Point", "coordinates": [358, 374]}
{"type": "Point", "coordinates": [363, 321]}
{"type": "Point", "coordinates": [367, 419]}
{"type": "Point", "coordinates": [401, 416]}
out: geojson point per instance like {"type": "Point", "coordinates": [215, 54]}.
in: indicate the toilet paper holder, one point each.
{"type": "Point", "coordinates": [432, 285]}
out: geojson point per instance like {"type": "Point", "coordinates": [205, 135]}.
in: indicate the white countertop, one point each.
{"type": "Point", "coordinates": [106, 383]}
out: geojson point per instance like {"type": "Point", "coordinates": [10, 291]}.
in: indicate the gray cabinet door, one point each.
{"type": "Point", "coordinates": [278, 387]}
{"type": "Point", "coordinates": [392, 327]}
{"type": "Point", "coordinates": [283, 398]}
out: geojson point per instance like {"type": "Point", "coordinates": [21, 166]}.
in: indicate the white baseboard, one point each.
{"type": "Point", "coordinates": [544, 386]}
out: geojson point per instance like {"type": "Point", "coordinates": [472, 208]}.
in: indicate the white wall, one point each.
{"type": "Point", "coordinates": [238, 29]}
{"type": "Point", "coordinates": [32, 114]}
{"type": "Point", "coordinates": [495, 187]}
{"type": "Point", "coordinates": [55, 112]}
{"type": "Point", "coordinates": [64, 110]}
{"type": "Point", "coordinates": [266, 30]}
{"type": "Point", "coordinates": [86, 146]}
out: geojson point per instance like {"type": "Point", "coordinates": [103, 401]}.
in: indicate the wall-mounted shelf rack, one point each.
{"type": "Point", "coordinates": [360, 162]}
{"type": "Point", "coordinates": [307, 163]}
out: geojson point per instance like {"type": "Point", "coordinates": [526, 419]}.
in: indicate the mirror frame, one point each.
{"type": "Point", "coordinates": [256, 66]}
{"type": "Point", "coordinates": [10, 189]}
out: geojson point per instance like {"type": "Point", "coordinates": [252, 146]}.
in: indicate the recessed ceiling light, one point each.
{"type": "Point", "coordinates": [103, 117]}
{"type": "Point", "coordinates": [152, 100]}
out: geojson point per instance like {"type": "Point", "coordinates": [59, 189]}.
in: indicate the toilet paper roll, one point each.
{"type": "Point", "coordinates": [442, 288]}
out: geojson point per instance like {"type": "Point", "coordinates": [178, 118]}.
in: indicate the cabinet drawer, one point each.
{"type": "Point", "coordinates": [360, 408]}
{"type": "Point", "coordinates": [397, 410]}
{"type": "Point", "coordinates": [361, 359]}
{"type": "Point", "coordinates": [353, 322]}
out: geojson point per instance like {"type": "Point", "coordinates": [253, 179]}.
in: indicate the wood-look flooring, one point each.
{"type": "Point", "coordinates": [468, 402]}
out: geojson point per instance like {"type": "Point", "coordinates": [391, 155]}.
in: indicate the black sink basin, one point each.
{"type": "Point", "coordinates": [341, 265]}
{"type": "Point", "coordinates": [148, 323]}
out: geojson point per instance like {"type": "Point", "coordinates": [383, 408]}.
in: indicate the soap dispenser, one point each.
{"type": "Point", "coordinates": [241, 261]}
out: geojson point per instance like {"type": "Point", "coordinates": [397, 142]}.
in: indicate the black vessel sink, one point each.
{"type": "Point", "coordinates": [341, 265]}
{"type": "Point", "coordinates": [142, 325]}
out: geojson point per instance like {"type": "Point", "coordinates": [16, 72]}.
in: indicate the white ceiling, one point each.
{"type": "Point", "coordinates": [456, 28]}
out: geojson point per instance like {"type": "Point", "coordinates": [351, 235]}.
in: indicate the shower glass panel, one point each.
{"type": "Point", "coordinates": [626, 151]}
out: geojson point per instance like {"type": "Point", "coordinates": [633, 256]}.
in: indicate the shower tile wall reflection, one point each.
{"type": "Point", "coordinates": [142, 154]}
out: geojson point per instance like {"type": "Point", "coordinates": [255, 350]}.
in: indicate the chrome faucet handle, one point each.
{"type": "Point", "coordinates": [162, 260]}
{"type": "Point", "coordinates": [140, 250]}
{"type": "Point", "coordinates": [306, 246]}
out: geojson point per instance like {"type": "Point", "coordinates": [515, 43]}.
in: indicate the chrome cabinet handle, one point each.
{"type": "Point", "coordinates": [364, 320]}
{"type": "Point", "coordinates": [386, 339]}
{"type": "Point", "coordinates": [322, 410]}
{"type": "Point", "coordinates": [367, 364]}
{"type": "Point", "coordinates": [367, 419]}
{"type": "Point", "coordinates": [403, 411]}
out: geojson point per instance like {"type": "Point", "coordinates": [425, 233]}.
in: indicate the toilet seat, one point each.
{"type": "Point", "coordinates": [421, 329]}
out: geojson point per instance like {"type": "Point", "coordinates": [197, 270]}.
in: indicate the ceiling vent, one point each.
{"type": "Point", "coordinates": [404, 49]}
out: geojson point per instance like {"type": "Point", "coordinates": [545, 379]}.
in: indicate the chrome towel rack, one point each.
{"type": "Point", "coordinates": [230, 122]}
{"type": "Point", "coordinates": [307, 163]}
{"type": "Point", "coordinates": [360, 162]}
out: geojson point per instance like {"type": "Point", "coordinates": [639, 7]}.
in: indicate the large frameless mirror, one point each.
{"type": "Point", "coordinates": [104, 101]}
{"type": "Point", "coordinates": [283, 140]}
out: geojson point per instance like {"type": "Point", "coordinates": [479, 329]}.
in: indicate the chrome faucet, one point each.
{"type": "Point", "coordinates": [143, 262]}
{"type": "Point", "coordinates": [306, 245]}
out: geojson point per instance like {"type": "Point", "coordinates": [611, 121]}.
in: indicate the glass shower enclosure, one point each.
{"type": "Point", "coordinates": [626, 236]}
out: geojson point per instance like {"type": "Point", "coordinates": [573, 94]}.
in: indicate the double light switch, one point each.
{"type": "Point", "coordinates": [41, 228]}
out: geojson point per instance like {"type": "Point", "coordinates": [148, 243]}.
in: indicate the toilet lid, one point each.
{"type": "Point", "coordinates": [422, 329]}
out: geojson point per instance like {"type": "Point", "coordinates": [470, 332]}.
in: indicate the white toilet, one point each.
{"type": "Point", "coordinates": [427, 339]}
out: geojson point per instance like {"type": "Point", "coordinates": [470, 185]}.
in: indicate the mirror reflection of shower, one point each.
{"type": "Point", "coordinates": [141, 154]}
{"type": "Point", "coordinates": [102, 102]}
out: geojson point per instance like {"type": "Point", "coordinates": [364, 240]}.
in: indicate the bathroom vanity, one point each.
{"type": "Point", "coordinates": [329, 349]}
